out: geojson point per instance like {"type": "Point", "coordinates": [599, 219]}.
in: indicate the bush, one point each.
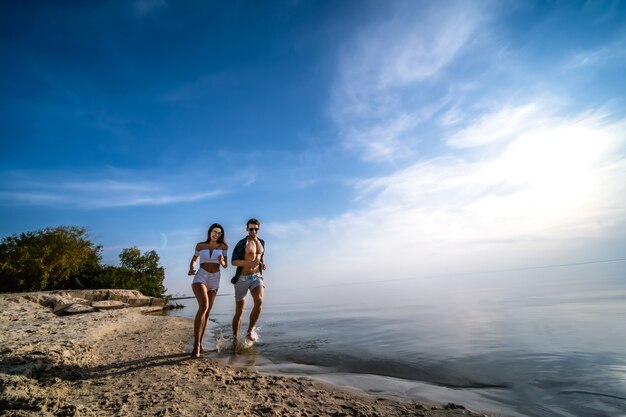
{"type": "Point", "coordinates": [52, 258]}
{"type": "Point", "coordinates": [64, 257]}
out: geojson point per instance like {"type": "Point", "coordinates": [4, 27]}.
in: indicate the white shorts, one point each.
{"type": "Point", "coordinates": [210, 279]}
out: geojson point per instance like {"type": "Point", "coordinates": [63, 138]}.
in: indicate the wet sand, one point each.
{"type": "Point", "coordinates": [123, 362]}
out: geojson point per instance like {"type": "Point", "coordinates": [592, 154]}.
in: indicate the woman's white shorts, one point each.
{"type": "Point", "coordinates": [210, 279]}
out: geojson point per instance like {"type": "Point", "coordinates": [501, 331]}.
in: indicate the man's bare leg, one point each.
{"type": "Point", "coordinates": [239, 305]}
{"type": "Point", "coordinates": [257, 296]}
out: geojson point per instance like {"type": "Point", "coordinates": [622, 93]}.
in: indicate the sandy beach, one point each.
{"type": "Point", "coordinates": [124, 362]}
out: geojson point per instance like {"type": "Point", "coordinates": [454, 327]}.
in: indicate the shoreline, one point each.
{"type": "Point", "coordinates": [124, 362]}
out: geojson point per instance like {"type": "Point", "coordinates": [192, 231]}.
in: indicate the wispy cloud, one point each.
{"type": "Point", "coordinates": [143, 7]}
{"type": "Point", "coordinates": [114, 188]}
{"type": "Point", "coordinates": [613, 53]}
{"type": "Point", "coordinates": [383, 140]}
{"type": "Point", "coordinates": [413, 45]}
{"type": "Point", "coordinates": [500, 125]}
{"type": "Point", "coordinates": [190, 90]}
{"type": "Point", "coordinates": [377, 102]}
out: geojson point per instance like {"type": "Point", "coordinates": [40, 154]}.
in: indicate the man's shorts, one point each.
{"type": "Point", "coordinates": [245, 283]}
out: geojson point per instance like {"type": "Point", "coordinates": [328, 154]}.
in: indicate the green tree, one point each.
{"type": "Point", "coordinates": [51, 258]}
{"type": "Point", "coordinates": [149, 275]}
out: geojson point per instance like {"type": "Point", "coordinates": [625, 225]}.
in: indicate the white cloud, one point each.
{"type": "Point", "coordinates": [552, 186]}
{"type": "Point", "coordinates": [512, 185]}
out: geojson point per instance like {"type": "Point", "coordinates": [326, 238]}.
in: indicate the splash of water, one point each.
{"type": "Point", "coordinates": [224, 343]}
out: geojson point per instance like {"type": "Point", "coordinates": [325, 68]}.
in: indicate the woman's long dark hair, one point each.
{"type": "Point", "coordinates": [221, 239]}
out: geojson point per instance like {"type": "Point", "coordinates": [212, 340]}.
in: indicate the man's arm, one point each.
{"type": "Point", "coordinates": [241, 263]}
{"type": "Point", "coordinates": [244, 264]}
{"type": "Point", "coordinates": [263, 265]}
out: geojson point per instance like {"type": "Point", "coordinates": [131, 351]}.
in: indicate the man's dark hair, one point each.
{"type": "Point", "coordinates": [253, 221]}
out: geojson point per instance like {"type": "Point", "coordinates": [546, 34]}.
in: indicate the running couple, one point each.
{"type": "Point", "coordinates": [248, 257]}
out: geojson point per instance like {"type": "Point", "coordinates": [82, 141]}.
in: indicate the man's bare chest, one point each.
{"type": "Point", "coordinates": [254, 249]}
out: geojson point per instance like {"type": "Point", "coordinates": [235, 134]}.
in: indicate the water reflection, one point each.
{"type": "Point", "coordinates": [522, 345]}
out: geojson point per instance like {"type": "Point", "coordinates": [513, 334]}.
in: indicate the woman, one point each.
{"type": "Point", "coordinates": [206, 282]}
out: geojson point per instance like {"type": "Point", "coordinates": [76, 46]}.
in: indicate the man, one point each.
{"type": "Point", "coordinates": [248, 257]}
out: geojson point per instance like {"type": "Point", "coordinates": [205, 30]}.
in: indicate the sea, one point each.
{"type": "Point", "coordinates": [546, 341]}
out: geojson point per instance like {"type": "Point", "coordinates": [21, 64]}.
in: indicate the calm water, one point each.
{"type": "Point", "coordinates": [516, 343]}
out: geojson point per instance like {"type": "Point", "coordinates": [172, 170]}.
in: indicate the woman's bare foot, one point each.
{"type": "Point", "coordinates": [197, 351]}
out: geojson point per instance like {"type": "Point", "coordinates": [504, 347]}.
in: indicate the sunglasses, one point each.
{"type": "Point", "coordinates": [214, 233]}
{"type": "Point", "coordinates": [253, 229]}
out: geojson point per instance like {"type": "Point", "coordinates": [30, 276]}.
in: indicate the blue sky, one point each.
{"type": "Point", "coordinates": [372, 139]}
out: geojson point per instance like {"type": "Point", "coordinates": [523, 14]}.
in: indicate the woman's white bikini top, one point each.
{"type": "Point", "coordinates": [210, 256]}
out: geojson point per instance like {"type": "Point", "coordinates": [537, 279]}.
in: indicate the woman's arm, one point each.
{"type": "Point", "coordinates": [223, 259]}
{"type": "Point", "coordinates": [193, 261]}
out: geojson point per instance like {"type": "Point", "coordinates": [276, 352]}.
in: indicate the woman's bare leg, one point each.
{"type": "Point", "coordinates": [199, 323]}
{"type": "Point", "coordinates": [211, 299]}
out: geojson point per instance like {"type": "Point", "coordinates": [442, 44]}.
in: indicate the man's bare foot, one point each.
{"type": "Point", "coordinates": [195, 353]}
{"type": "Point", "coordinates": [252, 335]}
{"type": "Point", "coordinates": [235, 345]}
